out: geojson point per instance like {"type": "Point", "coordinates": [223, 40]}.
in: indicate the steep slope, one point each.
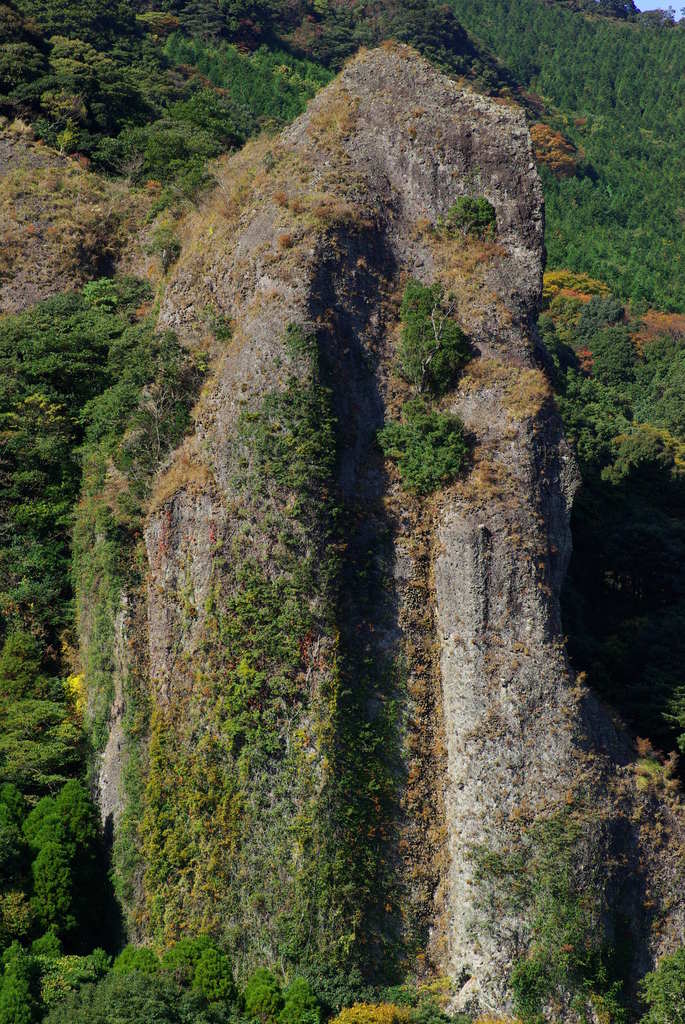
{"type": "Point", "coordinates": [61, 224]}
{"type": "Point", "coordinates": [363, 744]}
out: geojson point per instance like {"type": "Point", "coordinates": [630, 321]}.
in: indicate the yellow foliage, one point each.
{"type": "Point", "coordinates": [555, 281]}
{"type": "Point", "coordinates": [489, 1019]}
{"type": "Point", "coordinates": [437, 989]}
{"type": "Point", "coordinates": [16, 914]}
{"type": "Point", "coordinates": [76, 690]}
{"type": "Point", "coordinates": [373, 1013]}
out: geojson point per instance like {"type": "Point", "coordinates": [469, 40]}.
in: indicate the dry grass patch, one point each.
{"type": "Point", "coordinates": [526, 394]}
{"type": "Point", "coordinates": [60, 223]}
{"type": "Point", "coordinates": [334, 120]}
{"type": "Point", "coordinates": [524, 391]}
{"type": "Point", "coordinates": [186, 473]}
{"type": "Point", "coordinates": [484, 373]}
{"type": "Point", "coordinates": [487, 481]}
{"type": "Point", "coordinates": [462, 266]}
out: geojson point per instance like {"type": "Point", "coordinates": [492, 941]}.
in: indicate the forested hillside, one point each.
{"type": "Point", "coordinates": [146, 95]}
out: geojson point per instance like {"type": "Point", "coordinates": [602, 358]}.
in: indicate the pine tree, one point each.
{"type": "Point", "coordinates": [202, 19]}
{"type": "Point", "coordinates": [18, 1003]}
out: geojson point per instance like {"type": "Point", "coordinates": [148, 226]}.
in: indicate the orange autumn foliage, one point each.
{"type": "Point", "coordinates": [553, 150]}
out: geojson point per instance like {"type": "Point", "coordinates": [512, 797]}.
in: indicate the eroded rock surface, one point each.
{"type": "Point", "coordinates": [321, 228]}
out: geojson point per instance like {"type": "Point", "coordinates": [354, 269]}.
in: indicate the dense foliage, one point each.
{"type": "Point", "coordinates": [622, 403]}
{"type": "Point", "coordinates": [664, 991]}
{"type": "Point", "coordinates": [86, 385]}
{"type": "Point", "coordinates": [433, 348]}
{"type": "Point", "coordinates": [215, 804]}
{"type": "Point", "coordinates": [613, 89]}
{"type": "Point", "coordinates": [569, 957]}
{"type": "Point", "coordinates": [53, 871]}
{"type": "Point", "coordinates": [429, 447]}
{"type": "Point", "coordinates": [153, 94]}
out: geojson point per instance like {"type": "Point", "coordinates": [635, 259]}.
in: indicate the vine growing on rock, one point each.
{"type": "Point", "coordinates": [254, 824]}
{"type": "Point", "coordinates": [570, 965]}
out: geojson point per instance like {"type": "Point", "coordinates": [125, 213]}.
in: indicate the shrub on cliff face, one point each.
{"type": "Point", "coordinates": [472, 215]}
{"type": "Point", "coordinates": [429, 447]}
{"type": "Point", "coordinates": [433, 347]}
{"type": "Point", "coordinates": [663, 990]}
{"type": "Point", "coordinates": [165, 244]}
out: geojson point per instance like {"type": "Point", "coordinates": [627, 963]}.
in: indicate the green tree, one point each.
{"type": "Point", "coordinates": [136, 958]}
{"type": "Point", "coordinates": [47, 945]}
{"type": "Point", "coordinates": [53, 888]}
{"type": "Point", "coordinates": [613, 356]}
{"type": "Point", "coordinates": [214, 977]}
{"type": "Point", "coordinates": [433, 347]}
{"type": "Point", "coordinates": [663, 990]}
{"type": "Point", "coordinates": [21, 667]}
{"type": "Point", "coordinates": [429, 447]}
{"type": "Point", "coordinates": [263, 997]}
{"type": "Point", "coordinates": [40, 746]}
{"type": "Point", "coordinates": [132, 998]}
{"type": "Point", "coordinates": [70, 888]}
{"type": "Point", "coordinates": [12, 845]}
{"type": "Point", "coordinates": [85, 19]}
{"type": "Point", "coordinates": [18, 989]}
{"type": "Point", "coordinates": [300, 1005]}
{"type": "Point", "coordinates": [182, 958]}
{"type": "Point", "coordinates": [12, 848]}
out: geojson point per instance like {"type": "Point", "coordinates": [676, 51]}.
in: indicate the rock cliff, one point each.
{"type": "Point", "coordinates": [364, 738]}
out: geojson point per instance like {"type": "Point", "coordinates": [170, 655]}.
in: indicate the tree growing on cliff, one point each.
{"type": "Point", "coordinates": [433, 348]}
{"type": "Point", "coordinates": [472, 215]}
{"type": "Point", "coordinates": [429, 447]}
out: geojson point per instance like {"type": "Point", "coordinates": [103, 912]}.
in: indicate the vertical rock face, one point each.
{"type": "Point", "coordinates": [361, 700]}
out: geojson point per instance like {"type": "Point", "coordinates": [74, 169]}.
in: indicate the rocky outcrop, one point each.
{"type": "Point", "coordinates": [336, 666]}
